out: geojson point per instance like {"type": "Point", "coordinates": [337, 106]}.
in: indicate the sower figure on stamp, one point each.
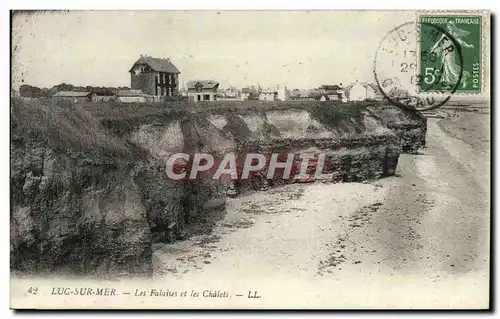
{"type": "Point", "coordinates": [449, 58]}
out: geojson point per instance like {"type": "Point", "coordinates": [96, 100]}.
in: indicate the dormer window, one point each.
{"type": "Point", "coordinates": [198, 87]}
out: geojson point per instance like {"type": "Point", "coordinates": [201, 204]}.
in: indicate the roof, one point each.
{"type": "Point", "coordinates": [206, 84]}
{"type": "Point", "coordinates": [269, 92]}
{"type": "Point", "coordinates": [157, 64]}
{"type": "Point", "coordinates": [71, 94]}
{"type": "Point", "coordinates": [245, 90]}
{"type": "Point", "coordinates": [327, 97]}
{"type": "Point", "coordinates": [130, 93]}
{"type": "Point", "coordinates": [364, 84]}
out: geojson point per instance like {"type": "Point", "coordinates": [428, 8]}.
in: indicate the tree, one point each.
{"type": "Point", "coordinates": [45, 92]}
{"type": "Point", "coordinates": [63, 87]}
{"type": "Point", "coordinates": [26, 90]}
{"type": "Point", "coordinates": [330, 88]}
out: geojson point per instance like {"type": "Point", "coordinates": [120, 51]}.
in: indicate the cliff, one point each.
{"type": "Point", "coordinates": [75, 205]}
{"type": "Point", "coordinates": [409, 126]}
{"type": "Point", "coordinates": [89, 191]}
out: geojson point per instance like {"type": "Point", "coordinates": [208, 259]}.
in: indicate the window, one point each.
{"type": "Point", "coordinates": [157, 81]}
{"type": "Point", "coordinates": [199, 97]}
{"type": "Point", "coordinates": [206, 97]}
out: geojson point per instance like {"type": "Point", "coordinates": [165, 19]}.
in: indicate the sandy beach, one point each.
{"type": "Point", "coordinates": [430, 223]}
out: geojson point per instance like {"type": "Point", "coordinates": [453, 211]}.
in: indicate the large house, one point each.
{"type": "Point", "coordinates": [154, 76]}
{"type": "Point", "coordinates": [204, 90]}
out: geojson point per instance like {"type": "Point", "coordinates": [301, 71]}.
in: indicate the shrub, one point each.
{"type": "Point", "coordinates": [62, 127]}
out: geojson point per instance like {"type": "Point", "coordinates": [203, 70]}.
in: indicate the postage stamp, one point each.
{"type": "Point", "coordinates": [424, 63]}
{"type": "Point", "coordinates": [443, 64]}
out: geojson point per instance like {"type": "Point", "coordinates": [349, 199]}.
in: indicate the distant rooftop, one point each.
{"type": "Point", "coordinates": [208, 84]}
{"type": "Point", "coordinates": [157, 64]}
{"type": "Point", "coordinates": [130, 93]}
{"type": "Point", "coordinates": [269, 92]}
{"type": "Point", "coordinates": [71, 94]}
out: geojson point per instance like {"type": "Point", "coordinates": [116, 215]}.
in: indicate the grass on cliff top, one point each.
{"type": "Point", "coordinates": [62, 127]}
{"type": "Point", "coordinates": [295, 118]}
{"type": "Point", "coordinates": [252, 106]}
{"type": "Point", "coordinates": [392, 116]}
{"type": "Point", "coordinates": [118, 111]}
{"type": "Point", "coordinates": [122, 118]}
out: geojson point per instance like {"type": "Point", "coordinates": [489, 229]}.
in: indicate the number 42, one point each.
{"type": "Point", "coordinates": [33, 290]}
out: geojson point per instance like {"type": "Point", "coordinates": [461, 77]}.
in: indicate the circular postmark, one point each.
{"type": "Point", "coordinates": [413, 63]}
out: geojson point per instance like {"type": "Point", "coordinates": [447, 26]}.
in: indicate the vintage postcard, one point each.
{"type": "Point", "coordinates": [250, 160]}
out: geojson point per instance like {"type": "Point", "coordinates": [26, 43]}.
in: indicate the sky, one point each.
{"type": "Point", "coordinates": [297, 49]}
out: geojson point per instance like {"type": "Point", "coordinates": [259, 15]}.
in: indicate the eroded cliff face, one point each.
{"type": "Point", "coordinates": [356, 144]}
{"type": "Point", "coordinates": [409, 126]}
{"type": "Point", "coordinates": [75, 216]}
{"type": "Point", "coordinates": [89, 189]}
{"type": "Point", "coordinates": [75, 205]}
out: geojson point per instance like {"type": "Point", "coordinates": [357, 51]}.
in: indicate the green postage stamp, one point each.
{"type": "Point", "coordinates": [451, 53]}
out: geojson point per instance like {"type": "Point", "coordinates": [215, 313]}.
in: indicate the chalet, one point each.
{"type": "Point", "coordinates": [269, 95]}
{"type": "Point", "coordinates": [155, 76]}
{"type": "Point", "coordinates": [73, 96]}
{"type": "Point", "coordinates": [204, 90]}
{"type": "Point", "coordinates": [231, 93]}
{"type": "Point", "coordinates": [245, 94]}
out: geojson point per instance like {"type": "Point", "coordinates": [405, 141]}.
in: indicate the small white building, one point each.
{"type": "Point", "coordinates": [360, 91]}
{"type": "Point", "coordinates": [330, 97]}
{"type": "Point", "coordinates": [283, 94]}
{"type": "Point", "coordinates": [268, 95]}
{"type": "Point", "coordinates": [133, 96]}
{"type": "Point", "coordinates": [203, 90]}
